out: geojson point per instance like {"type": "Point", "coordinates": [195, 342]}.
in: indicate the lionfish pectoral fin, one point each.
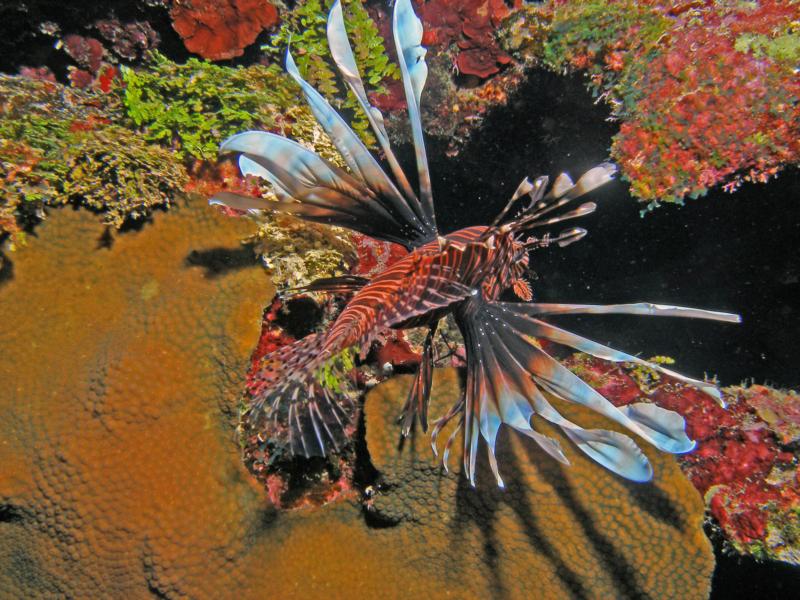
{"type": "Point", "coordinates": [364, 200]}
{"type": "Point", "coordinates": [545, 330]}
{"type": "Point", "coordinates": [507, 374]}
{"type": "Point", "coordinates": [615, 451]}
{"type": "Point", "coordinates": [497, 392]}
{"type": "Point", "coordinates": [418, 397]}
{"type": "Point", "coordinates": [663, 428]}
{"type": "Point", "coordinates": [294, 410]}
{"type": "Point", "coordinates": [239, 202]}
{"type": "Point", "coordinates": [341, 284]}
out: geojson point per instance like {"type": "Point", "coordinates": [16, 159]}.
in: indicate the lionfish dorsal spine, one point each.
{"type": "Point", "coordinates": [342, 54]}
{"type": "Point", "coordinates": [357, 156]}
{"type": "Point", "coordinates": [407, 29]}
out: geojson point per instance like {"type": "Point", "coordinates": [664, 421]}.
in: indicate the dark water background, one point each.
{"type": "Point", "coordinates": [733, 252]}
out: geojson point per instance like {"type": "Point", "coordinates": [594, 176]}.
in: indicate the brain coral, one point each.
{"type": "Point", "coordinates": [555, 532]}
{"type": "Point", "coordinates": [121, 477]}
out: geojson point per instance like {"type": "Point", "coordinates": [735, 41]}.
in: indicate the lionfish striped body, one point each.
{"type": "Point", "coordinates": [509, 375]}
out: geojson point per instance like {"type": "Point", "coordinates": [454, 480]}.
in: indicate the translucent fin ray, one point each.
{"type": "Point", "coordinates": [343, 57]}
{"type": "Point", "coordinates": [356, 154]}
{"type": "Point", "coordinates": [407, 30]}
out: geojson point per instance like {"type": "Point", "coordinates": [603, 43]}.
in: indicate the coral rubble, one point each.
{"type": "Point", "coordinates": [707, 93]}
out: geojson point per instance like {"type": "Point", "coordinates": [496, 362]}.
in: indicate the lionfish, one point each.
{"type": "Point", "coordinates": [509, 374]}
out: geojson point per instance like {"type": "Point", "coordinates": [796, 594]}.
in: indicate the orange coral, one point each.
{"type": "Point", "coordinates": [555, 532]}
{"type": "Point", "coordinates": [121, 476]}
{"type": "Point", "coordinates": [117, 461]}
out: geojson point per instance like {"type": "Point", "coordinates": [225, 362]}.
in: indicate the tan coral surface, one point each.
{"type": "Point", "coordinates": [121, 477]}
{"type": "Point", "coordinates": [554, 532]}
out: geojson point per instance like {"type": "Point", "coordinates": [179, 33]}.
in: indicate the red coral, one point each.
{"type": "Point", "coordinates": [79, 78]}
{"type": "Point", "coordinates": [700, 110]}
{"type": "Point", "coordinates": [374, 256]}
{"type": "Point", "coordinates": [86, 51]}
{"type": "Point", "coordinates": [128, 40]}
{"type": "Point", "coordinates": [222, 29]}
{"type": "Point", "coordinates": [39, 73]}
{"type": "Point", "coordinates": [396, 351]}
{"type": "Point", "coordinates": [745, 462]}
{"type": "Point", "coordinates": [471, 25]}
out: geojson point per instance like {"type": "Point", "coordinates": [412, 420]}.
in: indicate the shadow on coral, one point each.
{"type": "Point", "coordinates": [9, 513]}
{"type": "Point", "coordinates": [657, 504]}
{"type": "Point", "coordinates": [220, 261]}
{"type": "Point", "coordinates": [6, 268]}
{"type": "Point", "coordinates": [486, 500]}
{"type": "Point", "coordinates": [615, 563]}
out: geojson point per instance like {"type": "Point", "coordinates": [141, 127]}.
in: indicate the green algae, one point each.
{"type": "Point", "coordinates": [60, 145]}
{"type": "Point", "coordinates": [191, 107]}
{"type": "Point", "coordinates": [304, 30]}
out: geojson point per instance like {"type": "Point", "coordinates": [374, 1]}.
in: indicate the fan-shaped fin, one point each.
{"type": "Point", "coordinates": [545, 330]}
{"type": "Point", "coordinates": [290, 407]}
{"type": "Point", "coordinates": [358, 157]}
{"type": "Point", "coordinates": [563, 383]}
{"type": "Point", "coordinates": [616, 452]}
{"type": "Point", "coordinates": [502, 388]}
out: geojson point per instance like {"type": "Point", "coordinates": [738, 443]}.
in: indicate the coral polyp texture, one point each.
{"type": "Point", "coordinates": [555, 532]}
{"type": "Point", "coordinates": [121, 475]}
{"type": "Point", "coordinates": [707, 92]}
{"type": "Point", "coordinates": [746, 464]}
{"type": "Point", "coordinates": [221, 29]}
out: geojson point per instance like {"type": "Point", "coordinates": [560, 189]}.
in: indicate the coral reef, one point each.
{"type": "Point", "coordinates": [218, 30]}
{"type": "Point", "coordinates": [118, 466]}
{"type": "Point", "coordinates": [194, 105]}
{"type": "Point", "coordinates": [707, 92]}
{"type": "Point", "coordinates": [128, 40]}
{"type": "Point", "coordinates": [563, 531]}
{"type": "Point", "coordinates": [120, 476]}
{"type": "Point", "coordinates": [296, 252]}
{"type": "Point", "coordinates": [57, 145]}
{"type": "Point", "coordinates": [115, 172]}
{"type": "Point", "coordinates": [746, 463]}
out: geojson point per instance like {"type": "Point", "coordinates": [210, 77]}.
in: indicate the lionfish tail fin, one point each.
{"type": "Point", "coordinates": [508, 378]}
{"type": "Point", "coordinates": [292, 408]}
